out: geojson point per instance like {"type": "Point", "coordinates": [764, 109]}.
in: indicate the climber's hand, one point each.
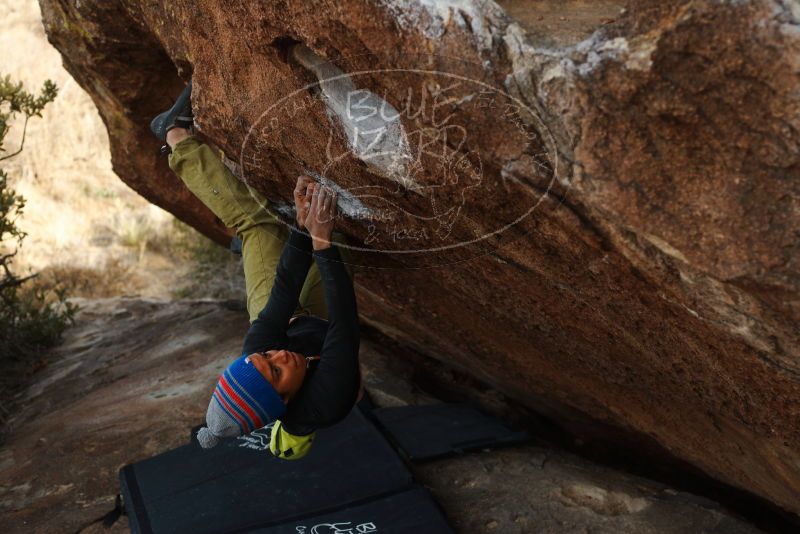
{"type": "Point", "coordinates": [302, 198]}
{"type": "Point", "coordinates": [321, 216]}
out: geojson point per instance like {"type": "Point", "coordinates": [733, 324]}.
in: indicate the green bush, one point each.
{"type": "Point", "coordinates": [32, 316]}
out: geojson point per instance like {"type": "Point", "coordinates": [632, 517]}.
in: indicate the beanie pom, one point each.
{"type": "Point", "coordinates": [206, 438]}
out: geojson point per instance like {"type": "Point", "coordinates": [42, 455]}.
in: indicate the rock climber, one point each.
{"type": "Point", "coordinates": [299, 363]}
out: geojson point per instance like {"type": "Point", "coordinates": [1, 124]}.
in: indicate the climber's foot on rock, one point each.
{"type": "Point", "coordinates": [178, 116]}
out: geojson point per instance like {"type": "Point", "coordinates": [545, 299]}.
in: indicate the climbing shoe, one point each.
{"type": "Point", "coordinates": [178, 116]}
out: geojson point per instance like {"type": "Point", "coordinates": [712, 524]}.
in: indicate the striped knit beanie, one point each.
{"type": "Point", "coordinates": [243, 401]}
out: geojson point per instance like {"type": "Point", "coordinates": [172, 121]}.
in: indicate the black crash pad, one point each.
{"type": "Point", "coordinates": [433, 431]}
{"type": "Point", "coordinates": [410, 511]}
{"type": "Point", "coordinates": [238, 485]}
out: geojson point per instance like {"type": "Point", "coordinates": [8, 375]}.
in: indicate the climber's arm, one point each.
{"type": "Point", "coordinates": [328, 396]}
{"type": "Point", "coordinates": [338, 365]}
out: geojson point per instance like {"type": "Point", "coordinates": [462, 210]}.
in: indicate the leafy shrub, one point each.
{"type": "Point", "coordinates": [32, 316]}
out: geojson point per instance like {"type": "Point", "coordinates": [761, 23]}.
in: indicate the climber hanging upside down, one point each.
{"type": "Point", "coordinates": [299, 362]}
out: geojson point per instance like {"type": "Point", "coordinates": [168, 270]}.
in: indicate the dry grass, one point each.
{"type": "Point", "coordinates": [212, 271]}
{"type": "Point", "coordinates": [110, 280]}
{"type": "Point", "coordinates": [202, 268]}
{"type": "Point", "coordinates": [84, 225]}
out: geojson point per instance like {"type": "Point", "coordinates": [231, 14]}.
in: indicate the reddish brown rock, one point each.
{"type": "Point", "coordinates": [644, 163]}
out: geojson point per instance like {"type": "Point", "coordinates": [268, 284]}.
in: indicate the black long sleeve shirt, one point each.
{"type": "Point", "coordinates": [331, 386]}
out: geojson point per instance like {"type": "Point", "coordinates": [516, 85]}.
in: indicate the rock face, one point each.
{"type": "Point", "coordinates": [93, 410]}
{"type": "Point", "coordinates": [593, 210]}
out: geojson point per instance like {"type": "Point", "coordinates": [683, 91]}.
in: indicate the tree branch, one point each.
{"type": "Point", "coordinates": [12, 282]}
{"type": "Point", "coordinates": [22, 143]}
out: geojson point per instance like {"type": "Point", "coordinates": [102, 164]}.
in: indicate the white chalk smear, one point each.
{"type": "Point", "coordinates": [371, 124]}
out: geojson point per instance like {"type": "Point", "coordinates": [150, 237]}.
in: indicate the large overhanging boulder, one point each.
{"type": "Point", "coordinates": [593, 210]}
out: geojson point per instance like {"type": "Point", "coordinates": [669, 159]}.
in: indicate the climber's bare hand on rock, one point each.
{"type": "Point", "coordinates": [321, 217]}
{"type": "Point", "coordinates": [302, 198]}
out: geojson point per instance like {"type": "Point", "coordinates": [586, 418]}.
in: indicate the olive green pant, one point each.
{"type": "Point", "coordinates": [262, 233]}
